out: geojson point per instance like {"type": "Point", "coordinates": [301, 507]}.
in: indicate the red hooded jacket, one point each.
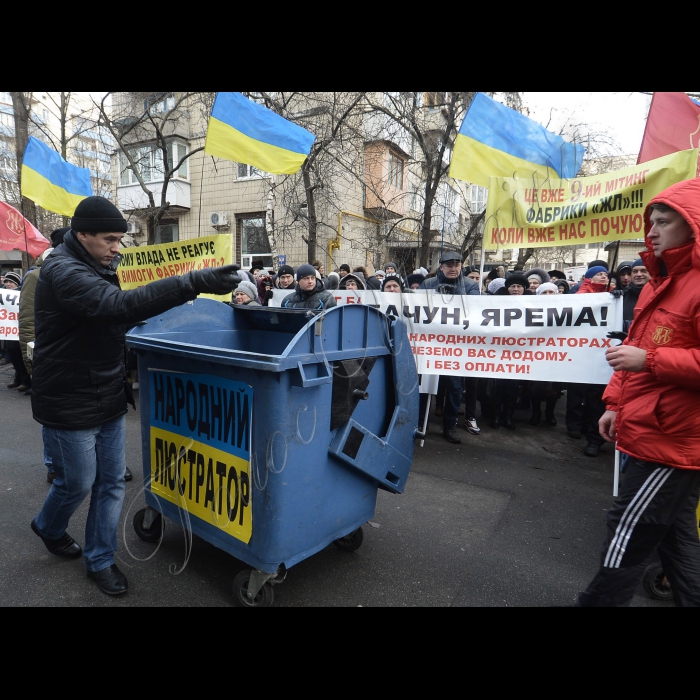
{"type": "Point", "coordinates": [658, 410]}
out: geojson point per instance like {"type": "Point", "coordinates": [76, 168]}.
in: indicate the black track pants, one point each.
{"type": "Point", "coordinates": [656, 508]}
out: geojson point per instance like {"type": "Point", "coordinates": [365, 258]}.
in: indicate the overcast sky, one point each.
{"type": "Point", "coordinates": [622, 114]}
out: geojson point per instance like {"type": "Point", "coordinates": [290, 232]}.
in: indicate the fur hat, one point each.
{"type": "Point", "coordinates": [593, 271]}
{"type": "Point", "coordinates": [558, 273]}
{"type": "Point", "coordinates": [97, 215]}
{"type": "Point", "coordinates": [598, 263]}
{"type": "Point", "coordinates": [547, 287]}
{"type": "Point", "coordinates": [415, 277]}
{"type": "Point", "coordinates": [542, 274]}
{"type": "Point", "coordinates": [516, 278]}
{"type": "Point", "coordinates": [249, 289]}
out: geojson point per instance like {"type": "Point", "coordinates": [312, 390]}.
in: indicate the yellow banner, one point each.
{"type": "Point", "coordinates": [608, 207]}
{"type": "Point", "coordinates": [143, 264]}
{"type": "Point", "coordinates": [209, 483]}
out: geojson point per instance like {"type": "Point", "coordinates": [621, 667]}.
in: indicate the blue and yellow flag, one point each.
{"type": "Point", "coordinates": [52, 182]}
{"type": "Point", "coordinates": [496, 141]}
{"type": "Point", "coordinates": [246, 132]}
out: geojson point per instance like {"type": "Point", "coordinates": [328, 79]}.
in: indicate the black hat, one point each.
{"type": "Point", "coordinates": [558, 273]}
{"type": "Point", "coordinates": [393, 276]}
{"type": "Point", "coordinates": [638, 263]}
{"type": "Point", "coordinates": [345, 267]}
{"type": "Point", "coordinates": [598, 263]}
{"type": "Point", "coordinates": [305, 270]}
{"type": "Point", "coordinates": [57, 236]}
{"type": "Point", "coordinates": [285, 270]}
{"type": "Point", "coordinates": [415, 277]}
{"type": "Point", "coordinates": [449, 255]}
{"type": "Point", "coordinates": [624, 265]}
{"type": "Point", "coordinates": [516, 278]}
{"type": "Point", "coordinates": [97, 215]}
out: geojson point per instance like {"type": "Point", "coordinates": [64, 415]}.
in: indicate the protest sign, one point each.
{"type": "Point", "coordinates": [9, 314]}
{"type": "Point", "coordinates": [144, 264]}
{"type": "Point", "coordinates": [554, 338]}
{"type": "Point", "coordinates": [525, 213]}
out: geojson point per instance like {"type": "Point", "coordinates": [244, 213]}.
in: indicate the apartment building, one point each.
{"type": "Point", "coordinates": [367, 186]}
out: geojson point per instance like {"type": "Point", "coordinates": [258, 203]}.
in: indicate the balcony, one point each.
{"type": "Point", "coordinates": [131, 198]}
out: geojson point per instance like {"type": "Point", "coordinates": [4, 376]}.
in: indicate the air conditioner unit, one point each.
{"type": "Point", "coordinates": [218, 218]}
{"type": "Point", "coordinates": [132, 227]}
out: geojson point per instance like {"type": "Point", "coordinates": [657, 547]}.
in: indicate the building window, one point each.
{"type": "Point", "coordinates": [478, 197]}
{"type": "Point", "coordinates": [158, 104]}
{"type": "Point", "coordinates": [149, 161]}
{"type": "Point", "coordinates": [253, 235]}
{"type": "Point", "coordinates": [245, 170]}
{"type": "Point", "coordinates": [7, 119]}
{"type": "Point", "coordinates": [435, 100]}
{"type": "Point", "coordinates": [6, 97]}
{"type": "Point", "coordinates": [395, 171]}
{"type": "Point", "coordinates": [167, 231]}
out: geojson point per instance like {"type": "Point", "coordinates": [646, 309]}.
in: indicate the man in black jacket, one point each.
{"type": "Point", "coordinates": [81, 317]}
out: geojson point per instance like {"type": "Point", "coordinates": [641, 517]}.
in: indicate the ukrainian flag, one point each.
{"type": "Point", "coordinates": [246, 132]}
{"type": "Point", "coordinates": [50, 181]}
{"type": "Point", "coordinates": [496, 141]}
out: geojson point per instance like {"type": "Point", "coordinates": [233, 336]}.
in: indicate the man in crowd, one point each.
{"type": "Point", "coordinates": [624, 274]}
{"type": "Point", "coordinates": [639, 277]}
{"type": "Point", "coordinates": [653, 413]}
{"type": "Point", "coordinates": [449, 280]}
{"type": "Point", "coordinates": [310, 292]}
{"type": "Point", "coordinates": [79, 395]}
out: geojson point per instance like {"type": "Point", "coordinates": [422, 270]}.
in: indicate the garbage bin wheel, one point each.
{"type": "Point", "coordinates": [155, 533]}
{"type": "Point", "coordinates": [350, 542]}
{"type": "Point", "coordinates": [240, 591]}
{"type": "Point", "coordinates": [656, 584]}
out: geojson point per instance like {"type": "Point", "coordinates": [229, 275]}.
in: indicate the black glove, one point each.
{"type": "Point", "coordinates": [617, 293]}
{"type": "Point", "coordinates": [617, 335]}
{"type": "Point", "coordinates": [215, 280]}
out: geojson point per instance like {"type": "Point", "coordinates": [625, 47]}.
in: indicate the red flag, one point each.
{"type": "Point", "coordinates": [16, 233]}
{"type": "Point", "coordinates": [673, 125]}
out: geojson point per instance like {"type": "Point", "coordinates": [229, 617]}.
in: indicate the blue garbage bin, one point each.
{"type": "Point", "coordinates": [269, 431]}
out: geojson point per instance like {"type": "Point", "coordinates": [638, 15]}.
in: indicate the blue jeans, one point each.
{"type": "Point", "coordinates": [48, 463]}
{"type": "Point", "coordinates": [91, 461]}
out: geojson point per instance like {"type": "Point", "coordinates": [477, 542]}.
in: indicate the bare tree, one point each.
{"type": "Point", "coordinates": [143, 126]}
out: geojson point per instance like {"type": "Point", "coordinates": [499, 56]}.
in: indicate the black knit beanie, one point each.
{"type": "Point", "coordinates": [305, 270]}
{"type": "Point", "coordinates": [57, 236]}
{"type": "Point", "coordinates": [97, 215]}
{"type": "Point", "coordinates": [285, 270]}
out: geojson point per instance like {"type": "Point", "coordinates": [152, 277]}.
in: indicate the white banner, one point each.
{"type": "Point", "coordinates": [553, 338]}
{"type": "Point", "coordinates": [9, 314]}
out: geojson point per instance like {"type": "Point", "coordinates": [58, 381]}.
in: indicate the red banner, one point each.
{"type": "Point", "coordinates": [16, 233]}
{"type": "Point", "coordinates": [673, 124]}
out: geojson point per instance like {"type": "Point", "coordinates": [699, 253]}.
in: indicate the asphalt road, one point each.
{"type": "Point", "coordinates": [507, 519]}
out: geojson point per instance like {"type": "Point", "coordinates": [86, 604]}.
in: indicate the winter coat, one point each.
{"type": "Point", "coordinates": [658, 409]}
{"type": "Point", "coordinates": [460, 285]}
{"type": "Point", "coordinates": [26, 310]}
{"type": "Point", "coordinates": [81, 317]}
{"type": "Point", "coordinates": [588, 287]}
{"type": "Point", "coordinates": [318, 298]}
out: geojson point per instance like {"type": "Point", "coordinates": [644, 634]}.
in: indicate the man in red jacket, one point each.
{"type": "Point", "coordinates": [653, 413]}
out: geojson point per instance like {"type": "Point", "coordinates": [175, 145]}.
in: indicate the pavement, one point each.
{"type": "Point", "coordinates": [506, 519]}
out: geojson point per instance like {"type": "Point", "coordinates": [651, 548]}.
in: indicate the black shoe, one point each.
{"type": "Point", "coordinates": [549, 419]}
{"type": "Point", "coordinates": [110, 580]}
{"type": "Point", "coordinates": [592, 449]}
{"type": "Point", "coordinates": [66, 546]}
{"type": "Point", "coordinates": [128, 476]}
{"type": "Point", "coordinates": [22, 387]}
{"type": "Point", "coordinates": [14, 385]}
{"type": "Point", "coordinates": [575, 434]}
{"type": "Point", "coordinates": [535, 419]}
{"type": "Point", "coordinates": [50, 476]}
{"type": "Point", "coordinates": [451, 436]}
{"type": "Point", "coordinates": [509, 422]}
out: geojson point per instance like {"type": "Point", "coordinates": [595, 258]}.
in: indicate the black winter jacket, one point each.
{"type": "Point", "coordinates": [318, 298]}
{"type": "Point", "coordinates": [81, 318]}
{"type": "Point", "coordinates": [443, 285]}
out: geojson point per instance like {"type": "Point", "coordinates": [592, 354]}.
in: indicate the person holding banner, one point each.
{"type": "Point", "coordinates": [449, 280]}
{"type": "Point", "coordinates": [653, 413]}
{"type": "Point", "coordinates": [310, 292]}
{"type": "Point", "coordinates": [79, 388]}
